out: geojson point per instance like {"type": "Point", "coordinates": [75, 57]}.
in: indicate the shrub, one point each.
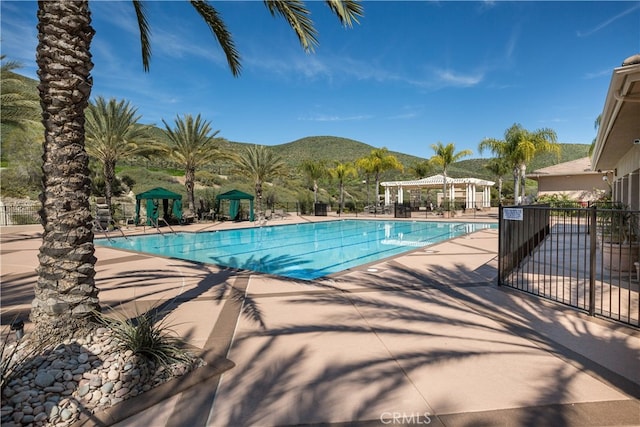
{"type": "Point", "coordinates": [145, 336]}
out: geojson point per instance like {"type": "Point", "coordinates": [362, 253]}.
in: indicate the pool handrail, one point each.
{"type": "Point", "coordinates": [99, 227]}
{"type": "Point", "coordinates": [156, 224]}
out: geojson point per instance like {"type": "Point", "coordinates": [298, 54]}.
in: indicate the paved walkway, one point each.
{"type": "Point", "coordinates": [422, 338]}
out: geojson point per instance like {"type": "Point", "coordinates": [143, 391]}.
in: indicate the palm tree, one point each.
{"type": "Point", "coordinates": [192, 145]}
{"type": "Point", "coordinates": [518, 148]}
{"type": "Point", "coordinates": [498, 168]}
{"type": "Point", "coordinates": [365, 165]}
{"type": "Point", "coordinates": [21, 134]}
{"type": "Point", "coordinates": [342, 171]}
{"type": "Point", "coordinates": [422, 169]}
{"type": "Point", "coordinates": [261, 164]}
{"type": "Point", "coordinates": [65, 292]}
{"type": "Point", "coordinates": [113, 133]}
{"type": "Point", "coordinates": [445, 155]}
{"type": "Point", "coordinates": [314, 171]}
{"type": "Point", "coordinates": [376, 163]}
{"type": "Point", "coordinates": [20, 103]}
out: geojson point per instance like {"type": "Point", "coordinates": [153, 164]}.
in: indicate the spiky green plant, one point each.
{"type": "Point", "coordinates": [149, 338]}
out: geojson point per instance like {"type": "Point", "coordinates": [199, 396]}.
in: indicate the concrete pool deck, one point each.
{"type": "Point", "coordinates": [422, 338]}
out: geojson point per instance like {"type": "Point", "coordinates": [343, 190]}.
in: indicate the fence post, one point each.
{"type": "Point", "coordinates": [500, 237]}
{"type": "Point", "coordinates": [592, 262]}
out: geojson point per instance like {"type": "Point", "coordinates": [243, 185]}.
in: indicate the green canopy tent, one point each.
{"type": "Point", "coordinates": [234, 197]}
{"type": "Point", "coordinates": [153, 198]}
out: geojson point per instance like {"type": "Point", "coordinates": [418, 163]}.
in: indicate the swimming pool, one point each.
{"type": "Point", "coordinates": [301, 251]}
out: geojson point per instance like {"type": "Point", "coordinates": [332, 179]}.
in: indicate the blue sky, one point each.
{"type": "Point", "coordinates": [409, 75]}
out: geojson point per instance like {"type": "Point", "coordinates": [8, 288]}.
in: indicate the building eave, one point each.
{"type": "Point", "coordinates": [619, 124]}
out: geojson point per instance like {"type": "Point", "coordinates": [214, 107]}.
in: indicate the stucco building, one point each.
{"type": "Point", "coordinates": [617, 146]}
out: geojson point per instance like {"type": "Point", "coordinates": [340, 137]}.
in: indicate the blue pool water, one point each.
{"type": "Point", "coordinates": [300, 251]}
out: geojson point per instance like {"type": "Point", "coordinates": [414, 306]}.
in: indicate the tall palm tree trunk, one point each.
{"type": "Point", "coordinates": [368, 191]}
{"type": "Point", "coordinates": [445, 198]}
{"type": "Point", "coordinates": [65, 292]}
{"type": "Point", "coordinates": [258, 188]}
{"type": "Point", "coordinates": [189, 183]}
{"type": "Point", "coordinates": [341, 197]}
{"type": "Point", "coordinates": [523, 172]}
{"type": "Point", "coordinates": [109, 171]}
{"type": "Point", "coordinates": [315, 191]}
{"type": "Point", "coordinates": [516, 185]}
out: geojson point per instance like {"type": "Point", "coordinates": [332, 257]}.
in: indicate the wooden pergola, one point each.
{"type": "Point", "coordinates": [473, 197]}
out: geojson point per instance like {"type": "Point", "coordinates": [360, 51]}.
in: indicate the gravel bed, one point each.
{"type": "Point", "coordinates": [90, 374]}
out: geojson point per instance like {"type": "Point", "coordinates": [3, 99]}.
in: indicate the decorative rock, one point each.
{"type": "Point", "coordinates": [18, 416]}
{"type": "Point", "coordinates": [65, 414]}
{"type": "Point", "coordinates": [49, 407]}
{"type": "Point", "coordinates": [95, 381]}
{"type": "Point", "coordinates": [83, 389]}
{"type": "Point", "coordinates": [40, 417]}
{"type": "Point", "coordinates": [44, 379]}
{"type": "Point", "coordinates": [113, 375]}
{"type": "Point", "coordinates": [107, 387]}
{"type": "Point", "coordinates": [58, 364]}
{"type": "Point", "coordinates": [61, 383]}
{"type": "Point", "coordinates": [20, 397]}
{"type": "Point", "coordinates": [96, 396]}
{"type": "Point", "coordinates": [123, 391]}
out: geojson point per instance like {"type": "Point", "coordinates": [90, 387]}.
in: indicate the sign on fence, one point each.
{"type": "Point", "coordinates": [512, 214]}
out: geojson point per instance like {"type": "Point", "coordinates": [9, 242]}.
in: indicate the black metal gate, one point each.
{"type": "Point", "coordinates": [568, 255]}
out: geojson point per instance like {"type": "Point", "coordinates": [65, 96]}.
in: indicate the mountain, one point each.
{"type": "Point", "coordinates": [333, 148]}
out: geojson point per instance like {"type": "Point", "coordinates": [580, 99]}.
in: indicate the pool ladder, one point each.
{"type": "Point", "coordinates": [156, 223]}
{"type": "Point", "coordinates": [99, 227]}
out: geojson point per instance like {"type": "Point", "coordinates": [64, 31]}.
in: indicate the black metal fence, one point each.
{"type": "Point", "coordinates": [587, 258]}
{"type": "Point", "coordinates": [19, 214]}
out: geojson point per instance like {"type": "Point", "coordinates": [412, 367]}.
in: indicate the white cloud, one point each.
{"type": "Point", "coordinates": [597, 74]}
{"type": "Point", "coordinates": [608, 22]}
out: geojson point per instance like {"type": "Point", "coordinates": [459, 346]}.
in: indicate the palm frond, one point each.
{"type": "Point", "coordinates": [297, 15]}
{"type": "Point", "coordinates": [219, 30]}
{"type": "Point", "coordinates": [347, 11]}
{"type": "Point", "coordinates": [145, 31]}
